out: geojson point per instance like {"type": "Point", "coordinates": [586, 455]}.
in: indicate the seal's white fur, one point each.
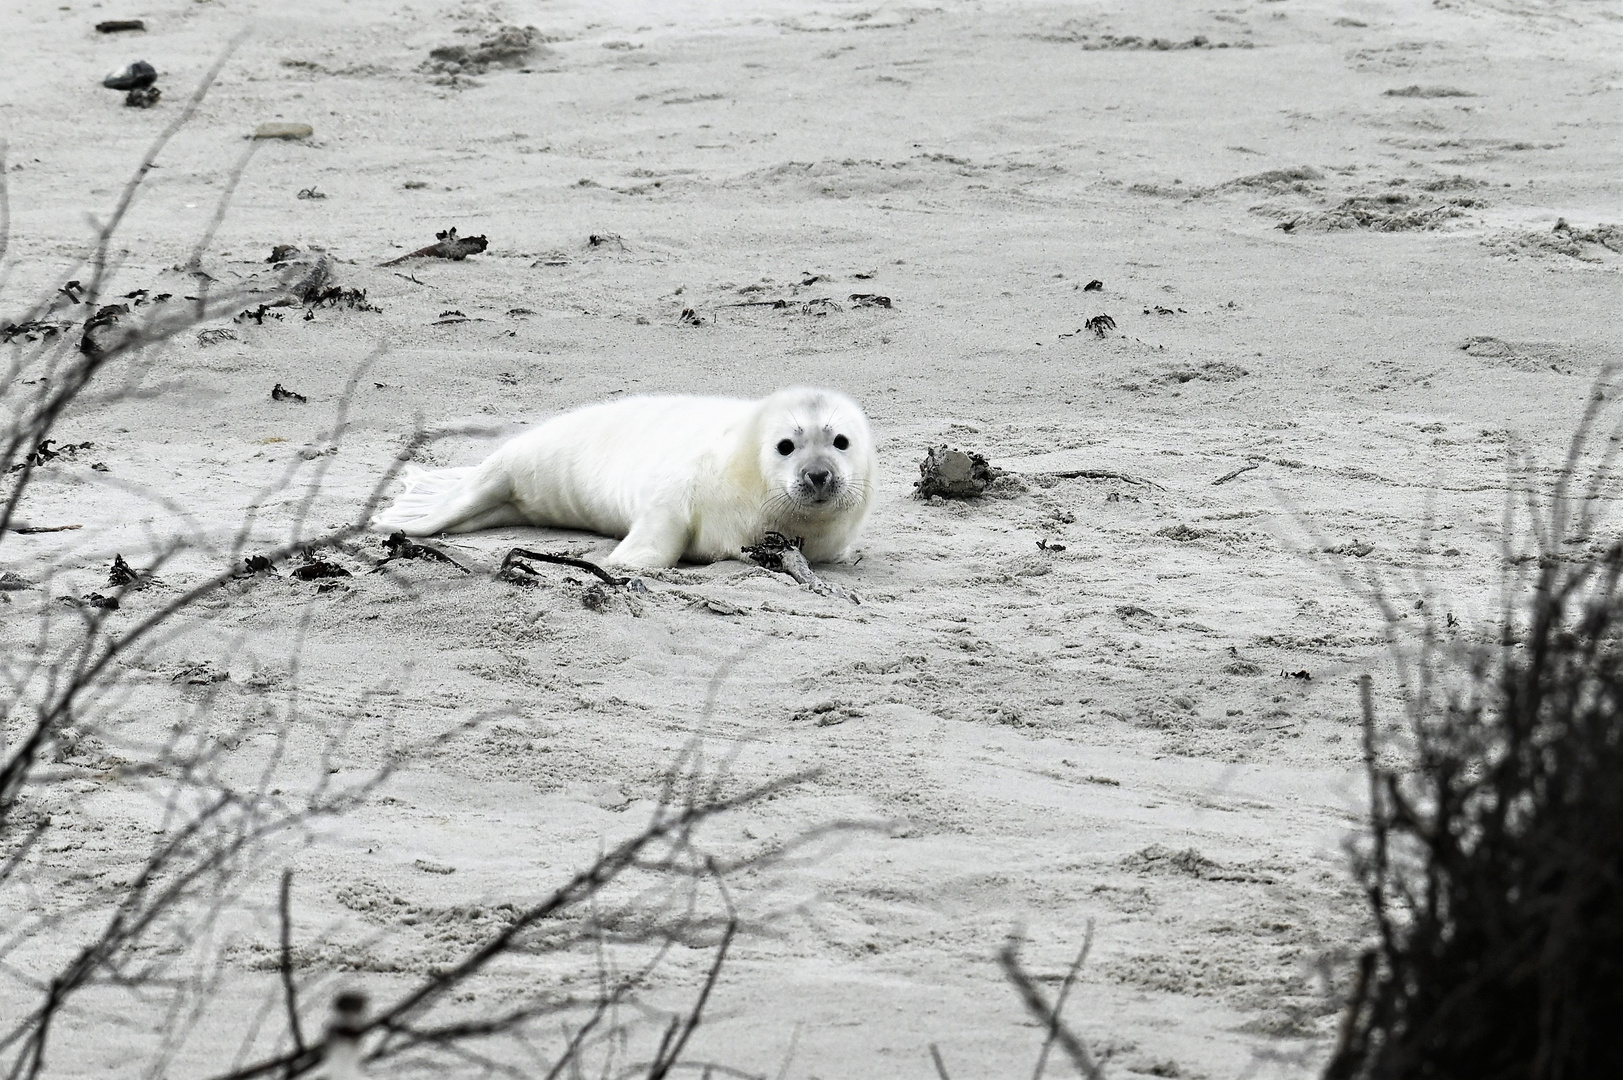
{"type": "Point", "coordinates": [692, 478]}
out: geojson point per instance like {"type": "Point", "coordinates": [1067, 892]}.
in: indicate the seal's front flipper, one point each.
{"type": "Point", "coordinates": [654, 540]}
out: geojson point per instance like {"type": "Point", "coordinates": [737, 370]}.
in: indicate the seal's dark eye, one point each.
{"type": "Point", "coordinates": [841, 443]}
{"type": "Point", "coordinates": [786, 447]}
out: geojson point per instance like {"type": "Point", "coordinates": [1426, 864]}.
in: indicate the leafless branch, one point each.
{"type": "Point", "coordinates": [1059, 1002]}
{"type": "Point", "coordinates": [290, 993]}
{"type": "Point", "coordinates": [1044, 1013]}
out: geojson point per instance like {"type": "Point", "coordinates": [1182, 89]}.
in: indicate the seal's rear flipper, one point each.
{"type": "Point", "coordinates": [447, 500]}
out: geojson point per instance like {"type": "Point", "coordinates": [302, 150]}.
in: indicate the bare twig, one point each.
{"type": "Point", "coordinates": [1059, 1002]}
{"type": "Point", "coordinates": [1045, 1013]}
{"type": "Point", "coordinates": [222, 205]}
{"type": "Point", "coordinates": [98, 260]}
{"type": "Point", "coordinates": [1243, 469]}
{"type": "Point", "coordinates": [669, 823]}
{"type": "Point", "coordinates": [671, 1049]}
{"type": "Point", "coordinates": [940, 1066]}
{"type": "Point", "coordinates": [290, 994]}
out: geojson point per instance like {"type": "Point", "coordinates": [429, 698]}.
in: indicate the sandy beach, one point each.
{"type": "Point", "coordinates": [1356, 257]}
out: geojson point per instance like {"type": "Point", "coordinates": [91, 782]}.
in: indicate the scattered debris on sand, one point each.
{"type": "Point", "coordinates": [315, 569]}
{"type": "Point", "coordinates": [315, 287]}
{"type": "Point", "coordinates": [119, 26]}
{"type": "Point", "coordinates": [399, 546]}
{"type": "Point", "coordinates": [143, 98]}
{"type": "Point", "coordinates": [122, 575]}
{"type": "Point", "coordinates": [256, 315]}
{"type": "Point", "coordinates": [45, 451]}
{"type": "Point", "coordinates": [862, 299]}
{"type": "Point", "coordinates": [1100, 325]}
{"type": "Point", "coordinates": [282, 393]}
{"type": "Point", "coordinates": [1094, 286]}
{"type": "Point", "coordinates": [447, 245]}
{"type": "Point", "coordinates": [953, 474]}
{"type": "Point", "coordinates": [32, 330]}
{"type": "Point", "coordinates": [782, 554]}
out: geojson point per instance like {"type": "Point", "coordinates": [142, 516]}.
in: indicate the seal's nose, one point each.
{"type": "Point", "coordinates": [819, 479]}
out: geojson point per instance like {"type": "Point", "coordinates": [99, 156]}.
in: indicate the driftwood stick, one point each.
{"type": "Point", "coordinates": [27, 529]}
{"type": "Point", "coordinates": [449, 246]}
{"type": "Point", "coordinates": [1226, 477]}
{"type": "Point", "coordinates": [601, 574]}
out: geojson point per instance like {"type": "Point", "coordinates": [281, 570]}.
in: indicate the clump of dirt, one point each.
{"type": "Point", "coordinates": [1524, 355]}
{"type": "Point", "coordinates": [1453, 183]}
{"type": "Point", "coordinates": [1133, 41]}
{"type": "Point", "coordinates": [1157, 859]}
{"type": "Point", "coordinates": [1297, 180]}
{"type": "Point", "coordinates": [953, 474]}
{"type": "Point", "coordinates": [827, 714]}
{"type": "Point", "coordinates": [104, 331]}
{"type": "Point", "coordinates": [1585, 245]}
{"type": "Point", "coordinates": [1300, 180]}
{"type": "Point", "coordinates": [1388, 211]}
{"type": "Point", "coordinates": [509, 46]}
{"type": "Point", "coordinates": [1215, 371]}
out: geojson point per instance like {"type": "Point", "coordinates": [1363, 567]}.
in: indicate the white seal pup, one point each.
{"type": "Point", "coordinates": [673, 477]}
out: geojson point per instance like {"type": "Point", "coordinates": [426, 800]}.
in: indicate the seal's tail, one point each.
{"type": "Point", "coordinates": [444, 500]}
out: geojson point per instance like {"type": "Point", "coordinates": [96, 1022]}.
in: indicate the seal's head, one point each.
{"type": "Point", "coordinates": [816, 454]}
